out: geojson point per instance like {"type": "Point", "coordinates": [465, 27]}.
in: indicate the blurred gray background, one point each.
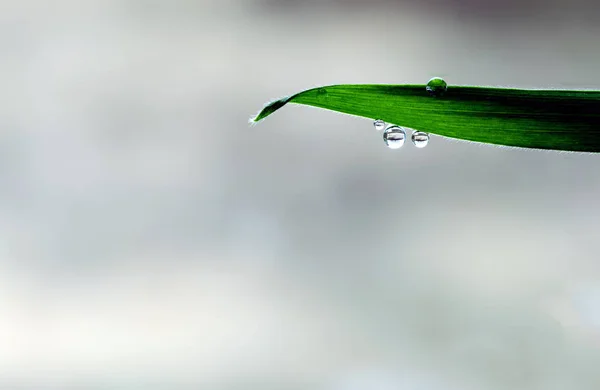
{"type": "Point", "coordinates": [149, 238]}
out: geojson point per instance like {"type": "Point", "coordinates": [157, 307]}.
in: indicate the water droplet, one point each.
{"type": "Point", "coordinates": [394, 137]}
{"type": "Point", "coordinates": [420, 139]}
{"type": "Point", "coordinates": [436, 86]}
{"type": "Point", "coordinates": [379, 125]}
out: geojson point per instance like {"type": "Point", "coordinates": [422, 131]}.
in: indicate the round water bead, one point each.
{"type": "Point", "coordinates": [394, 137]}
{"type": "Point", "coordinates": [436, 86]}
{"type": "Point", "coordinates": [420, 139]}
{"type": "Point", "coordinates": [379, 125]}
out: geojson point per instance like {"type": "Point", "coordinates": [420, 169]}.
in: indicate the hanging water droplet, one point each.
{"type": "Point", "coordinates": [436, 86]}
{"type": "Point", "coordinates": [394, 137]}
{"type": "Point", "coordinates": [420, 139]}
{"type": "Point", "coordinates": [379, 125]}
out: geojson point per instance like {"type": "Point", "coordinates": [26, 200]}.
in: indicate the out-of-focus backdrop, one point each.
{"type": "Point", "coordinates": [149, 238]}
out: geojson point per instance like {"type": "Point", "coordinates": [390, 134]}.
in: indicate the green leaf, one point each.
{"type": "Point", "coordinates": [541, 119]}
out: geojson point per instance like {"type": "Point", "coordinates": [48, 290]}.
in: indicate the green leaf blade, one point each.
{"type": "Point", "coordinates": [541, 119]}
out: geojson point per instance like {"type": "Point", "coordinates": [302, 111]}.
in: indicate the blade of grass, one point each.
{"type": "Point", "coordinates": [542, 119]}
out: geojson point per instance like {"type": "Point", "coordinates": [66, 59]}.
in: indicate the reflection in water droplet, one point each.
{"type": "Point", "coordinates": [420, 139]}
{"type": "Point", "coordinates": [394, 137]}
{"type": "Point", "coordinates": [379, 125]}
{"type": "Point", "coordinates": [436, 86]}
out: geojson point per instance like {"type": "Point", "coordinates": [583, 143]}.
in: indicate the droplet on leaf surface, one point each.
{"type": "Point", "coordinates": [436, 86]}
{"type": "Point", "coordinates": [379, 125]}
{"type": "Point", "coordinates": [394, 137]}
{"type": "Point", "coordinates": [420, 139]}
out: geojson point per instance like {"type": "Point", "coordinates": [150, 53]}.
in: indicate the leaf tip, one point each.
{"type": "Point", "coordinates": [268, 109]}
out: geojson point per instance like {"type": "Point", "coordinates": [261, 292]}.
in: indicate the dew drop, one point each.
{"type": "Point", "coordinates": [379, 125]}
{"type": "Point", "coordinates": [394, 137]}
{"type": "Point", "coordinates": [420, 139]}
{"type": "Point", "coordinates": [436, 86]}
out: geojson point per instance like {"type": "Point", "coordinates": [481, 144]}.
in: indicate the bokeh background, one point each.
{"type": "Point", "coordinates": [151, 239]}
